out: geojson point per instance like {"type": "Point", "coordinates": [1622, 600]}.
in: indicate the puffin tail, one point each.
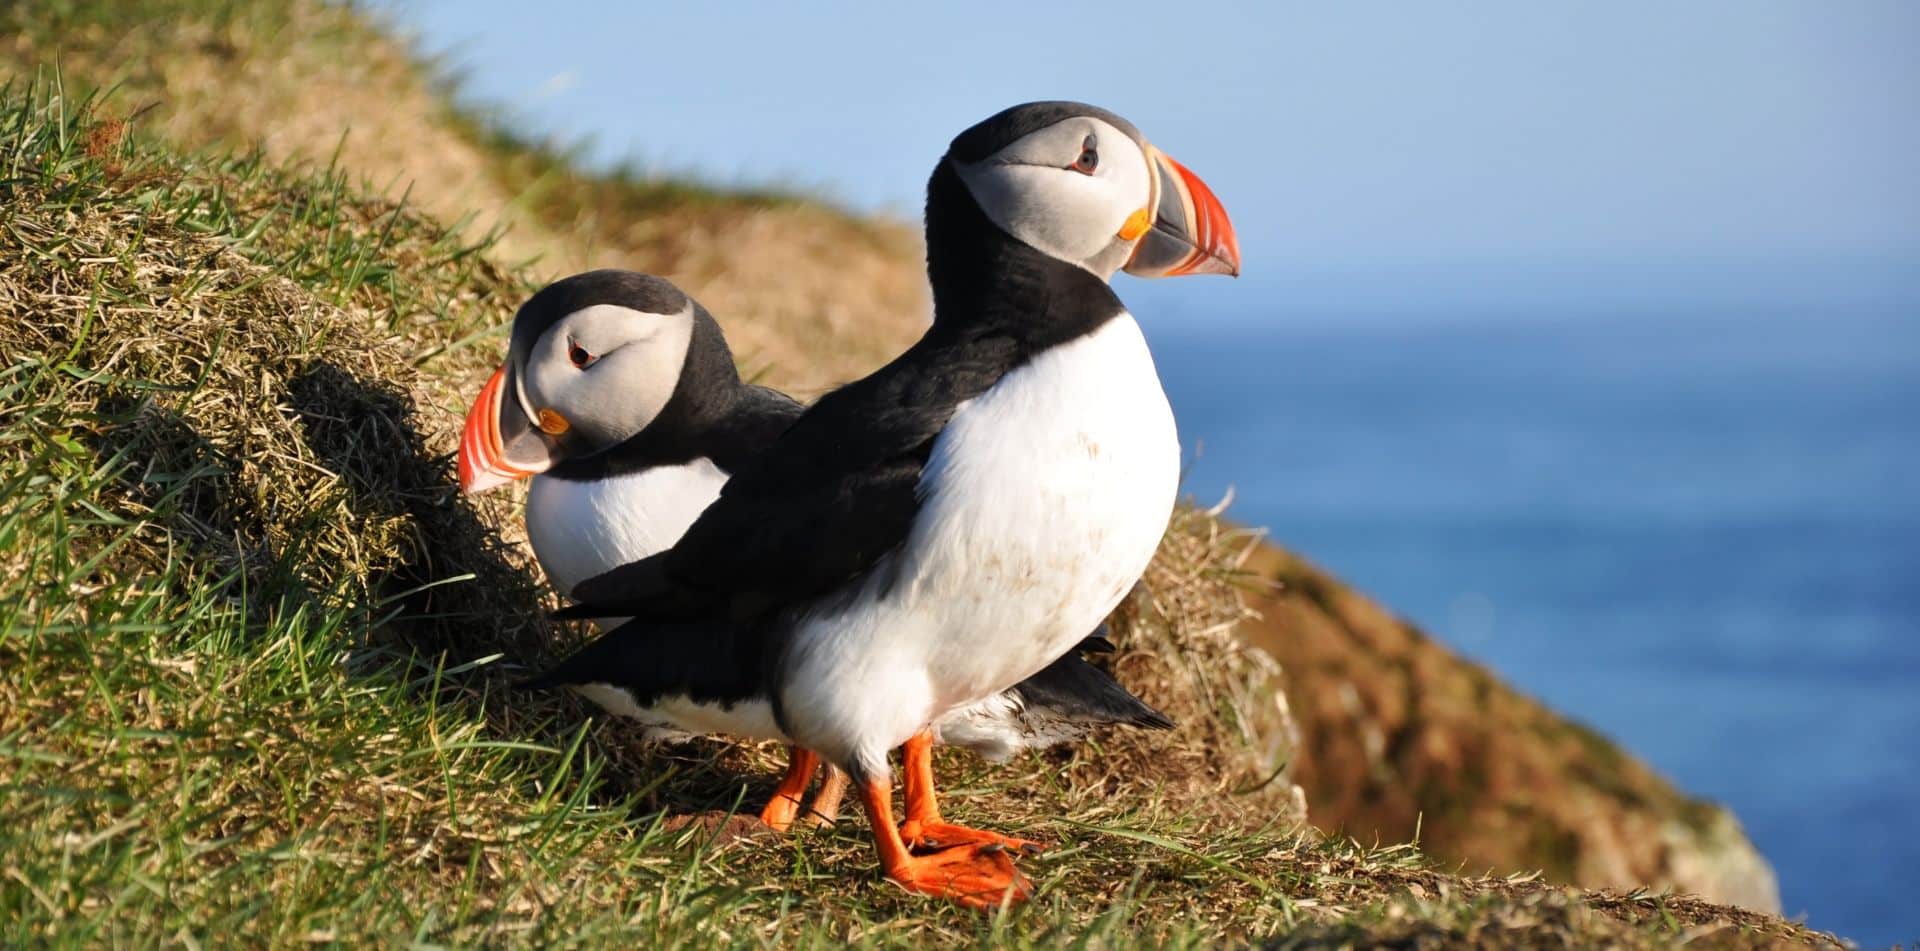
{"type": "Point", "coordinates": [1099, 642]}
{"type": "Point", "coordinates": [1074, 690]}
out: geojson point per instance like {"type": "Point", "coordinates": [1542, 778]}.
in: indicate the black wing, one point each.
{"type": "Point", "coordinates": [709, 663]}
{"type": "Point", "coordinates": [836, 492]}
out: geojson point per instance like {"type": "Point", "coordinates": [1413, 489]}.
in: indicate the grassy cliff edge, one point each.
{"type": "Point", "coordinates": [255, 647]}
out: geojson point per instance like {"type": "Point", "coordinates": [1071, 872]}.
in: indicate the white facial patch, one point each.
{"type": "Point", "coordinates": [1029, 190]}
{"type": "Point", "coordinates": [633, 362]}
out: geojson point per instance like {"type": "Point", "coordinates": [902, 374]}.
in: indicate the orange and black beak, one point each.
{"type": "Point", "coordinates": [500, 443]}
{"type": "Point", "coordinates": [1190, 232]}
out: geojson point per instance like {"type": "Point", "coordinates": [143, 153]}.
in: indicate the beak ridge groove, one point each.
{"type": "Point", "coordinates": [483, 462]}
{"type": "Point", "coordinates": [1191, 233]}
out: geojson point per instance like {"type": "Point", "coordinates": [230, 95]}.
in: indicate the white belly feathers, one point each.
{"type": "Point", "coordinates": [581, 529]}
{"type": "Point", "coordinates": [1043, 501]}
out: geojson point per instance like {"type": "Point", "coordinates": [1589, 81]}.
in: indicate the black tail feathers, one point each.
{"type": "Point", "coordinates": [1075, 690]}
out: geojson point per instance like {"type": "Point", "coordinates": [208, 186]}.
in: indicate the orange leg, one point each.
{"type": "Point", "coordinates": [976, 875]}
{"type": "Point", "coordinates": [782, 809]}
{"type": "Point", "coordinates": [924, 829]}
{"type": "Point", "coordinates": [826, 803]}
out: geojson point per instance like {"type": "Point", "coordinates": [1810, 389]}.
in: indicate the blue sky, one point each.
{"type": "Point", "coordinates": [1438, 158]}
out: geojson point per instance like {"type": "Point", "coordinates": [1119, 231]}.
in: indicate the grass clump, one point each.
{"type": "Point", "coordinates": [254, 649]}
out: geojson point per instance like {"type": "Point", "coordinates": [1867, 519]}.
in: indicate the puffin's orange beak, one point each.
{"type": "Point", "coordinates": [499, 444]}
{"type": "Point", "coordinates": [1190, 233]}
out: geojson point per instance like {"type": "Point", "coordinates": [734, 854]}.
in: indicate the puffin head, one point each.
{"type": "Point", "coordinates": [1081, 184]}
{"type": "Point", "coordinates": [594, 359]}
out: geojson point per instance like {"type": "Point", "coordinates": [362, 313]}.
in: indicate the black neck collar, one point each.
{"type": "Point", "coordinates": [988, 283]}
{"type": "Point", "coordinates": [711, 414]}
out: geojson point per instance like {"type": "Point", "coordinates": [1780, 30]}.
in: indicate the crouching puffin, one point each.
{"type": "Point", "coordinates": [620, 398]}
{"type": "Point", "coordinates": [932, 534]}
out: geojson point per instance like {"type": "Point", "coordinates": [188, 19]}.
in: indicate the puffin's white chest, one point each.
{"type": "Point", "coordinates": [581, 529]}
{"type": "Point", "coordinates": [1043, 501]}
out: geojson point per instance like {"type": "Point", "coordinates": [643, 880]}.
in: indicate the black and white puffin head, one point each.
{"type": "Point", "coordinates": [594, 359]}
{"type": "Point", "coordinates": [1082, 185]}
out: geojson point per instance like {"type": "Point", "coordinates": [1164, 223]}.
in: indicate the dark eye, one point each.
{"type": "Point", "coordinates": [579, 355]}
{"type": "Point", "coordinates": [1089, 158]}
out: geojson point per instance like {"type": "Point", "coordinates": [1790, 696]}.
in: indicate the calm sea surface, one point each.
{"type": "Point", "coordinates": [1700, 536]}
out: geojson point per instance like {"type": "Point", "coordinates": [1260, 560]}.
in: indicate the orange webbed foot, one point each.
{"type": "Point", "coordinates": [977, 875]}
{"type": "Point", "coordinates": [780, 812]}
{"type": "Point", "coordinates": [928, 836]}
{"type": "Point", "coordinates": [784, 807]}
{"type": "Point", "coordinates": [924, 830]}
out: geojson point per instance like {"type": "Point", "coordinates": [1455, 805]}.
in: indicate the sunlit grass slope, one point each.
{"type": "Point", "coordinates": [255, 651]}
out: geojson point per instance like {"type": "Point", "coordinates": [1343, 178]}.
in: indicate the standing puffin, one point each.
{"type": "Point", "coordinates": [934, 533]}
{"type": "Point", "coordinates": [620, 398]}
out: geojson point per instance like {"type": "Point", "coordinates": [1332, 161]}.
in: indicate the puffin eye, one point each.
{"type": "Point", "coordinates": [579, 356]}
{"type": "Point", "coordinates": [1089, 158]}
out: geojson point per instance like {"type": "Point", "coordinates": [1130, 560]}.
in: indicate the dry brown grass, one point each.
{"type": "Point", "coordinates": [278, 422]}
{"type": "Point", "coordinates": [1232, 748]}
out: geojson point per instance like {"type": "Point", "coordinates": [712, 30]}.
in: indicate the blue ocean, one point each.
{"type": "Point", "coordinates": [1699, 536]}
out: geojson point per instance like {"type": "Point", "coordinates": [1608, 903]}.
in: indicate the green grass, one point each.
{"type": "Point", "coordinates": [255, 651]}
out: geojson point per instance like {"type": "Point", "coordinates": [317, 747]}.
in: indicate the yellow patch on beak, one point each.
{"type": "Point", "coordinates": [1136, 225]}
{"type": "Point", "coordinates": [552, 423]}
